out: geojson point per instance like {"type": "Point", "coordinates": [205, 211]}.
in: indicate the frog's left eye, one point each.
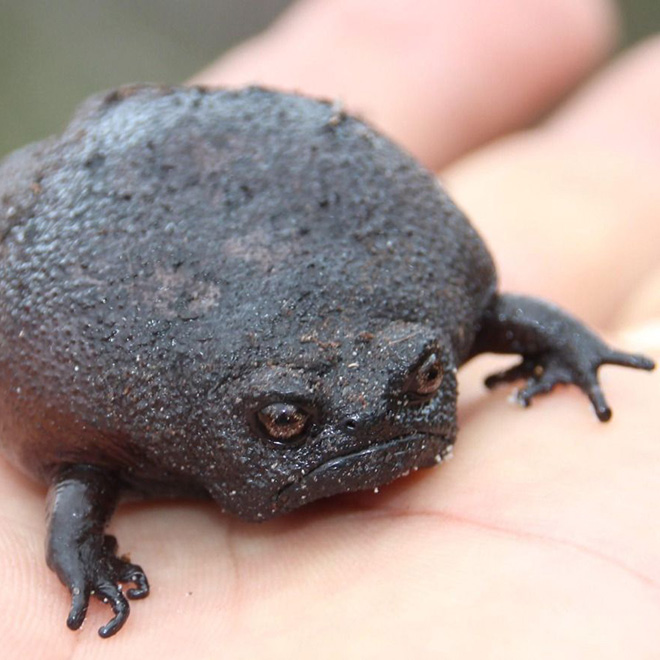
{"type": "Point", "coordinates": [283, 423]}
{"type": "Point", "coordinates": [425, 381]}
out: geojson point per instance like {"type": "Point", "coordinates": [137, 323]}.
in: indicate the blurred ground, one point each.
{"type": "Point", "coordinates": [53, 54]}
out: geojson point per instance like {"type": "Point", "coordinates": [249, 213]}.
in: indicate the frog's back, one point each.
{"type": "Point", "coordinates": [168, 219]}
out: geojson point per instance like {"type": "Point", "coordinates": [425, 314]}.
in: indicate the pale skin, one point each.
{"type": "Point", "coordinates": [540, 538]}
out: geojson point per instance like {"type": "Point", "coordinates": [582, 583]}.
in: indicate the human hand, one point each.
{"type": "Point", "coordinates": [540, 537]}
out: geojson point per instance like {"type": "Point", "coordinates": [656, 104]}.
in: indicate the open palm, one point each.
{"type": "Point", "coordinates": [541, 537]}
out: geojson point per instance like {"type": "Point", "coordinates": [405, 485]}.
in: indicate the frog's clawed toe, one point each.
{"type": "Point", "coordinates": [633, 360]}
{"type": "Point", "coordinates": [543, 372]}
{"type": "Point", "coordinates": [102, 577]}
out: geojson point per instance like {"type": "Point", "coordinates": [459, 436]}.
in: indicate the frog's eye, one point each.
{"type": "Point", "coordinates": [283, 423]}
{"type": "Point", "coordinates": [425, 381]}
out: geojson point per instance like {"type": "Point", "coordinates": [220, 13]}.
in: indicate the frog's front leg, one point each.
{"type": "Point", "coordinates": [81, 500]}
{"type": "Point", "coordinates": [555, 348]}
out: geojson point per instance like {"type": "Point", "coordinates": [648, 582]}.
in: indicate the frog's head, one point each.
{"type": "Point", "coordinates": [344, 415]}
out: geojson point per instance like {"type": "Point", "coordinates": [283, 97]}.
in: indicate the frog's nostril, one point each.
{"type": "Point", "coordinates": [350, 424]}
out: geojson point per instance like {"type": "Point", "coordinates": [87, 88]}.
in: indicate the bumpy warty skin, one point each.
{"type": "Point", "coordinates": [178, 257]}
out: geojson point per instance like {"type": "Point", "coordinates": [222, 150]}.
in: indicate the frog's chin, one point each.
{"type": "Point", "coordinates": [365, 469]}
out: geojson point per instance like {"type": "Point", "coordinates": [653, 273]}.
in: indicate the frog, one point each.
{"type": "Point", "coordinates": [245, 295]}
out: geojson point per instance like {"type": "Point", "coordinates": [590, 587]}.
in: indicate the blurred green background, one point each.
{"type": "Point", "coordinates": [55, 53]}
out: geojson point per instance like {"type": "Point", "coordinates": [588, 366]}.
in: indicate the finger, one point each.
{"type": "Point", "coordinates": [441, 76]}
{"type": "Point", "coordinates": [644, 303]}
{"type": "Point", "coordinates": [573, 219]}
{"type": "Point", "coordinates": [609, 107]}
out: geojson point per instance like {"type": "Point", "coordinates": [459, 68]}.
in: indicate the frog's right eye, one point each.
{"type": "Point", "coordinates": [283, 423]}
{"type": "Point", "coordinates": [426, 379]}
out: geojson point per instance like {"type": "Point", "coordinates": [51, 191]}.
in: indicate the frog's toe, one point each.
{"type": "Point", "coordinates": [541, 372]}
{"type": "Point", "coordinates": [126, 572]}
{"type": "Point", "coordinates": [524, 369]}
{"type": "Point", "coordinates": [79, 604]}
{"type": "Point", "coordinates": [597, 398]}
{"type": "Point", "coordinates": [544, 373]}
{"type": "Point", "coordinates": [105, 587]}
{"type": "Point", "coordinates": [110, 593]}
{"type": "Point", "coordinates": [576, 363]}
{"type": "Point", "coordinates": [633, 360]}
{"type": "Point", "coordinates": [590, 385]}
{"type": "Point", "coordinates": [545, 376]}
{"type": "Point", "coordinates": [556, 349]}
{"type": "Point", "coordinates": [555, 373]}
{"type": "Point", "coordinates": [134, 573]}
{"type": "Point", "coordinates": [101, 576]}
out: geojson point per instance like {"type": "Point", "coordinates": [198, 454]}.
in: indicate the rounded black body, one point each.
{"type": "Point", "coordinates": [180, 258]}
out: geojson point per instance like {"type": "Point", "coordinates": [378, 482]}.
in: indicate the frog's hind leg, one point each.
{"type": "Point", "coordinates": [555, 348]}
{"type": "Point", "coordinates": [80, 502]}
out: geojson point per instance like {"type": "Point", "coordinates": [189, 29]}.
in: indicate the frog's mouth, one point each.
{"type": "Point", "coordinates": [364, 469]}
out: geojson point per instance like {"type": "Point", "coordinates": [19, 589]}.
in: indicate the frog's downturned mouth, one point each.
{"type": "Point", "coordinates": [364, 469]}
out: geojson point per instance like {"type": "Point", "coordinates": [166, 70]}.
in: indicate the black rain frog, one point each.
{"type": "Point", "coordinates": [244, 295]}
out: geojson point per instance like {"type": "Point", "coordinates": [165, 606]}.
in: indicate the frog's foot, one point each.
{"type": "Point", "coordinates": [100, 574]}
{"type": "Point", "coordinates": [555, 348]}
{"type": "Point", "coordinates": [543, 372]}
{"type": "Point", "coordinates": [81, 500]}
